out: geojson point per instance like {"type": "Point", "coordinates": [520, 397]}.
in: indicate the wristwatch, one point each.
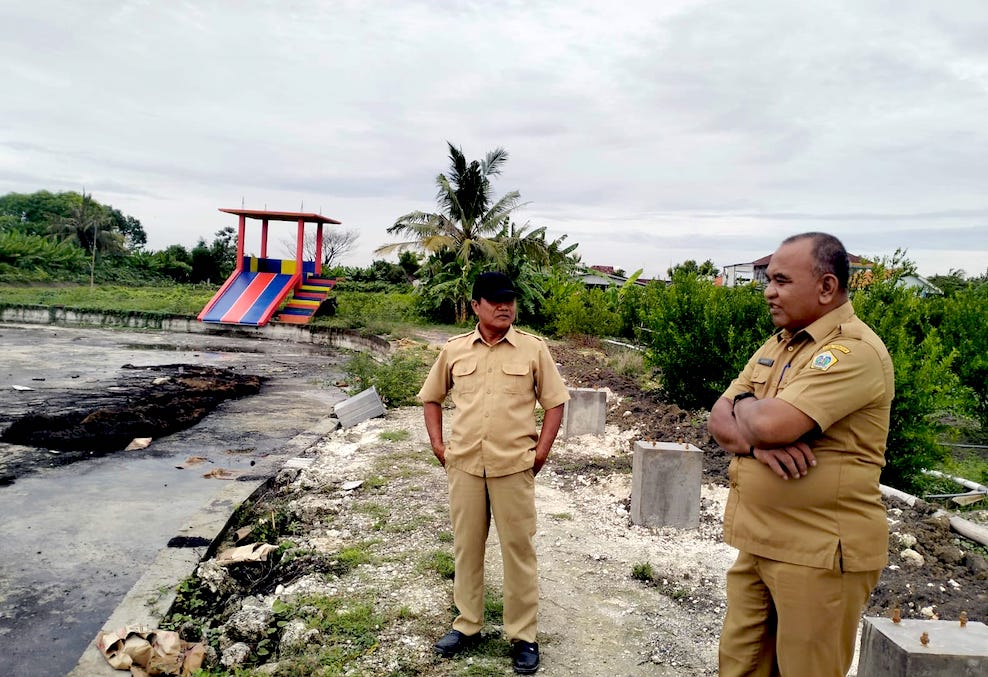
{"type": "Point", "coordinates": [743, 396]}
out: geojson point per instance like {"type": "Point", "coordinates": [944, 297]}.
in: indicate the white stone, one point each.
{"type": "Point", "coordinates": [912, 557]}
{"type": "Point", "coordinates": [235, 654]}
{"type": "Point", "coordinates": [906, 540]}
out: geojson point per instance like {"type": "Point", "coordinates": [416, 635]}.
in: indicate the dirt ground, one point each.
{"type": "Point", "coordinates": [375, 488]}
{"type": "Point", "coordinates": [954, 577]}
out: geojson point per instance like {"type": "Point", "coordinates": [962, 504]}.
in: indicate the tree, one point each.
{"type": "Point", "coordinates": [466, 225]}
{"type": "Point", "coordinates": [951, 283]}
{"type": "Point", "coordinates": [336, 243]}
{"type": "Point", "coordinates": [88, 226]}
{"type": "Point", "coordinates": [134, 236]}
{"type": "Point", "coordinates": [707, 269]}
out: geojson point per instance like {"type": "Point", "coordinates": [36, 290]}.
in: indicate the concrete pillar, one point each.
{"type": "Point", "coordinates": [584, 413]}
{"type": "Point", "coordinates": [896, 649]}
{"type": "Point", "coordinates": [665, 485]}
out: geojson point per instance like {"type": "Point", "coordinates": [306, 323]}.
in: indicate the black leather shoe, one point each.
{"type": "Point", "coordinates": [453, 642]}
{"type": "Point", "coordinates": [525, 657]}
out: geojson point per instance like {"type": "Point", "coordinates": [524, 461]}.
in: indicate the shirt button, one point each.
{"type": "Point", "coordinates": [790, 349]}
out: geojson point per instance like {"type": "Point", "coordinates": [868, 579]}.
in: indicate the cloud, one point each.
{"type": "Point", "coordinates": [645, 130]}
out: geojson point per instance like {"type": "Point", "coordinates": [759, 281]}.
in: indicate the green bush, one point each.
{"type": "Point", "coordinates": [965, 322]}
{"type": "Point", "coordinates": [925, 387]}
{"type": "Point", "coordinates": [397, 380]}
{"type": "Point", "coordinates": [583, 312]}
{"type": "Point", "coordinates": [700, 336]}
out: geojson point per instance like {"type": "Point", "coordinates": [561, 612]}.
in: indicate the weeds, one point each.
{"type": "Point", "coordinates": [642, 571]}
{"type": "Point", "coordinates": [440, 562]}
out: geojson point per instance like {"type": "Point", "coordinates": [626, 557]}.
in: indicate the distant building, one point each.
{"type": "Point", "coordinates": [740, 274]}
{"type": "Point", "coordinates": [602, 277]}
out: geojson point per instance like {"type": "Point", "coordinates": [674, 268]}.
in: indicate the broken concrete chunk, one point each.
{"type": "Point", "coordinates": [359, 408]}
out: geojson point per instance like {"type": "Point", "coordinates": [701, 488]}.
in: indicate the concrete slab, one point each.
{"type": "Point", "coordinates": [896, 649]}
{"type": "Point", "coordinates": [362, 406]}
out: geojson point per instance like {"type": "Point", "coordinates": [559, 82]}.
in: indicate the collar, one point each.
{"type": "Point", "coordinates": [511, 336]}
{"type": "Point", "coordinates": [822, 326]}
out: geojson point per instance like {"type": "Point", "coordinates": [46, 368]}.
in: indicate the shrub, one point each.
{"type": "Point", "coordinates": [397, 381]}
{"type": "Point", "coordinates": [700, 336]}
{"type": "Point", "coordinates": [925, 386]}
{"type": "Point", "coordinates": [964, 321]}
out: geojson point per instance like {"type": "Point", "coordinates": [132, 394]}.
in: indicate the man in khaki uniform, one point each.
{"type": "Point", "coordinates": [495, 374]}
{"type": "Point", "coordinates": [808, 419]}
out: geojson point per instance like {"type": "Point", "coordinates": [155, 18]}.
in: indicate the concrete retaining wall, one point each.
{"type": "Point", "coordinates": [332, 336]}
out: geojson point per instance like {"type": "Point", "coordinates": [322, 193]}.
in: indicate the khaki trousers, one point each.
{"type": "Point", "coordinates": [791, 620]}
{"type": "Point", "coordinates": [511, 501]}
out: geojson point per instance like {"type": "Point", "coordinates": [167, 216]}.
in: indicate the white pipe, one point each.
{"type": "Point", "coordinates": [966, 528]}
{"type": "Point", "coordinates": [974, 486]}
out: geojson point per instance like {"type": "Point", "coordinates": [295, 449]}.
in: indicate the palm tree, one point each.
{"type": "Point", "coordinates": [88, 225]}
{"type": "Point", "coordinates": [467, 223]}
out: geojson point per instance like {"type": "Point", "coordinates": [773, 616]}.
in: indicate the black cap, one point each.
{"type": "Point", "coordinates": [493, 287]}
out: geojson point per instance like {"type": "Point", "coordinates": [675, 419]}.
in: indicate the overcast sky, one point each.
{"type": "Point", "coordinates": [650, 132]}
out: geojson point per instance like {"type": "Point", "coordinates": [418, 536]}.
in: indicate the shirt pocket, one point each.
{"type": "Point", "coordinates": [759, 380]}
{"type": "Point", "coordinates": [465, 377]}
{"type": "Point", "coordinates": [517, 377]}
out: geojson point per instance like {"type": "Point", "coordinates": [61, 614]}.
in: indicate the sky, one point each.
{"type": "Point", "coordinates": [647, 132]}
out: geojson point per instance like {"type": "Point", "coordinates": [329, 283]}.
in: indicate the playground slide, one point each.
{"type": "Point", "coordinates": [249, 297]}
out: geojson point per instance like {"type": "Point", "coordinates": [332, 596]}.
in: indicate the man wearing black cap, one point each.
{"type": "Point", "coordinates": [494, 375]}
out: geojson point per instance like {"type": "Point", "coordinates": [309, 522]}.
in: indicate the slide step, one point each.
{"type": "Point", "coordinates": [298, 310]}
{"type": "Point", "coordinates": [293, 319]}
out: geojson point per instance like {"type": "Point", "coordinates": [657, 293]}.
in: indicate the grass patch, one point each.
{"type": "Point", "coordinates": [493, 606]}
{"type": "Point", "coordinates": [408, 525]}
{"type": "Point", "coordinates": [395, 435]}
{"type": "Point", "coordinates": [377, 511]}
{"type": "Point", "coordinates": [445, 536]}
{"type": "Point", "coordinates": [348, 627]}
{"type": "Point", "coordinates": [439, 561]}
{"type": "Point", "coordinates": [176, 299]}
{"type": "Point", "coordinates": [561, 516]}
{"type": "Point", "coordinates": [403, 464]}
{"type": "Point", "coordinates": [353, 556]}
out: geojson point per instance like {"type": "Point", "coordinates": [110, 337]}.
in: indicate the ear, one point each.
{"type": "Point", "coordinates": [475, 304]}
{"type": "Point", "coordinates": [827, 287]}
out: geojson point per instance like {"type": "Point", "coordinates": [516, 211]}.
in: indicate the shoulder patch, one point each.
{"type": "Point", "coordinates": [837, 346]}
{"type": "Point", "coordinates": [824, 360]}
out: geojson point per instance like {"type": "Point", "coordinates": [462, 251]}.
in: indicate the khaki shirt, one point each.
{"type": "Point", "coordinates": [494, 389]}
{"type": "Point", "coordinates": [838, 372]}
